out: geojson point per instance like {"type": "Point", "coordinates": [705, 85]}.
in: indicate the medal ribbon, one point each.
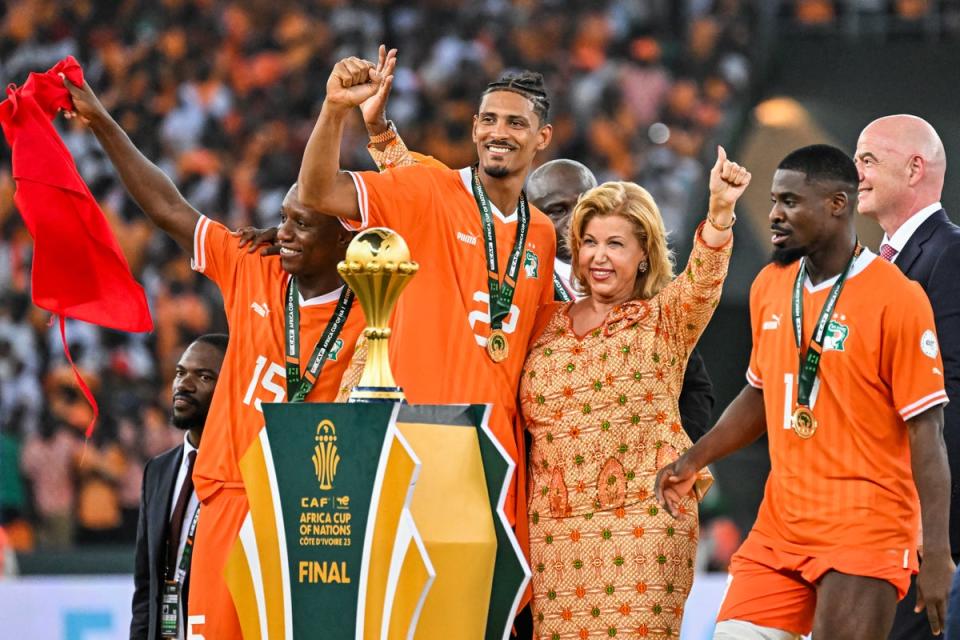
{"type": "Point", "coordinates": [297, 388]}
{"type": "Point", "coordinates": [560, 293]}
{"type": "Point", "coordinates": [810, 363]}
{"type": "Point", "coordinates": [501, 294]}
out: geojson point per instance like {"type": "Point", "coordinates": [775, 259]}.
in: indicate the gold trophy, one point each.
{"type": "Point", "coordinates": [377, 267]}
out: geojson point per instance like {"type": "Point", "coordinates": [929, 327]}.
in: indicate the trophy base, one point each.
{"type": "Point", "coordinates": [376, 394]}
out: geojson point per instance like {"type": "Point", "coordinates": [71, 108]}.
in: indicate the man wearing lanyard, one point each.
{"type": "Point", "coordinates": [461, 328]}
{"type": "Point", "coordinates": [169, 506]}
{"type": "Point", "coordinates": [846, 379]}
{"type": "Point", "coordinates": [289, 313]}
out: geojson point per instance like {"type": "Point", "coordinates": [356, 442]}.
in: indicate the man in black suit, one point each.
{"type": "Point", "coordinates": [168, 504]}
{"type": "Point", "coordinates": [902, 165]}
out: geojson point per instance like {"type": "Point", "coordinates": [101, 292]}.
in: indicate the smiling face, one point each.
{"type": "Point", "coordinates": [194, 383]}
{"type": "Point", "coordinates": [508, 134]}
{"type": "Point", "coordinates": [883, 166]}
{"type": "Point", "coordinates": [609, 258]}
{"type": "Point", "coordinates": [799, 217]}
{"type": "Point", "coordinates": [310, 242]}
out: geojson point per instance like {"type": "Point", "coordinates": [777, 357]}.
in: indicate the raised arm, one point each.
{"type": "Point", "coordinates": [150, 187]}
{"type": "Point", "coordinates": [928, 459]}
{"type": "Point", "coordinates": [728, 181]}
{"type": "Point", "coordinates": [742, 422]}
{"type": "Point", "coordinates": [322, 186]}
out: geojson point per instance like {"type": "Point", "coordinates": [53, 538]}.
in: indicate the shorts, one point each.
{"type": "Point", "coordinates": [211, 610]}
{"type": "Point", "coordinates": [774, 588]}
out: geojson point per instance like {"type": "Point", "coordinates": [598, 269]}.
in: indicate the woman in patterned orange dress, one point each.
{"type": "Point", "coordinates": [599, 397]}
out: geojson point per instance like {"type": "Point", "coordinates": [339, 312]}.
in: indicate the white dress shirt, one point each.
{"type": "Point", "coordinates": [565, 272]}
{"type": "Point", "coordinates": [192, 507]}
{"type": "Point", "coordinates": [908, 228]}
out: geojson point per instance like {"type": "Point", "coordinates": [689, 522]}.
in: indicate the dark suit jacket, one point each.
{"type": "Point", "coordinates": [696, 398]}
{"type": "Point", "coordinates": [159, 476]}
{"type": "Point", "coordinates": [932, 258]}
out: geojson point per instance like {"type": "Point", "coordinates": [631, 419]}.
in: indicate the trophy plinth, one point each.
{"type": "Point", "coordinates": [377, 267]}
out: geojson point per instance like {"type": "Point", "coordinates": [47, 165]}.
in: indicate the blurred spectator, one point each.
{"type": "Point", "coordinates": [47, 462]}
{"type": "Point", "coordinates": [223, 94]}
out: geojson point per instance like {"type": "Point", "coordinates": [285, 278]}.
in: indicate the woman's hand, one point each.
{"type": "Point", "coordinates": [728, 181]}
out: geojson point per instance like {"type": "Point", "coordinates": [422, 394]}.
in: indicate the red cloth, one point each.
{"type": "Point", "coordinates": [78, 270]}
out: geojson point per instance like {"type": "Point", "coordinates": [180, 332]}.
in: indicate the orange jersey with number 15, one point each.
{"type": "Point", "coordinates": [253, 371]}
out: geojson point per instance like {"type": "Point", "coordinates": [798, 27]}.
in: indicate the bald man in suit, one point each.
{"type": "Point", "coordinates": [902, 167]}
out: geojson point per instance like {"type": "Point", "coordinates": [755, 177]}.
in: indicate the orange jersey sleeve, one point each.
{"type": "Point", "coordinates": [910, 362]}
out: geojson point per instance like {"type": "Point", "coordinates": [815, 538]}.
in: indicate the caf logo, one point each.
{"type": "Point", "coordinates": [326, 456]}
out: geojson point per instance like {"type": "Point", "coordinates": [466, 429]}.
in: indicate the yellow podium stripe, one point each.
{"type": "Point", "coordinates": [416, 576]}
{"type": "Point", "coordinates": [240, 583]}
{"type": "Point", "coordinates": [399, 471]}
{"type": "Point", "coordinates": [263, 512]}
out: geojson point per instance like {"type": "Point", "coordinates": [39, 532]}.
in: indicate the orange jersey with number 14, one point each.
{"type": "Point", "coordinates": [850, 485]}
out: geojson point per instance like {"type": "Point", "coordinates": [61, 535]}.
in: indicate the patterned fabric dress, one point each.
{"type": "Point", "coordinates": [607, 560]}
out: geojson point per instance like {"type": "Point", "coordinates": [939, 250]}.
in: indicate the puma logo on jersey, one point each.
{"type": "Point", "coordinates": [467, 237]}
{"type": "Point", "coordinates": [773, 324]}
{"type": "Point", "coordinates": [261, 309]}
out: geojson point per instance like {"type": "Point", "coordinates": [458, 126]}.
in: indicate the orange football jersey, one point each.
{"type": "Point", "coordinates": [442, 321]}
{"type": "Point", "coordinates": [850, 485]}
{"type": "Point", "coordinates": [253, 372]}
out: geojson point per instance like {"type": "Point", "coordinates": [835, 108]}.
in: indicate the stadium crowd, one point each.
{"type": "Point", "coordinates": [223, 95]}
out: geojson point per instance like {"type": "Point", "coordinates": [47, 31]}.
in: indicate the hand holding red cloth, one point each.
{"type": "Point", "coordinates": [78, 270]}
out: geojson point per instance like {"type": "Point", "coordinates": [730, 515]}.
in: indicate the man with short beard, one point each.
{"type": "Point", "coordinates": [855, 427]}
{"type": "Point", "coordinates": [461, 328]}
{"type": "Point", "coordinates": [169, 507]}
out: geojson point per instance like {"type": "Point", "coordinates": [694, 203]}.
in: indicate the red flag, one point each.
{"type": "Point", "coordinates": [78, 270]}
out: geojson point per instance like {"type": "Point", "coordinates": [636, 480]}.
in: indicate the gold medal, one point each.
{"type": "Point", "coordinates": [497, 347]}
{"type": "Point", "coordinates": [803, 422]}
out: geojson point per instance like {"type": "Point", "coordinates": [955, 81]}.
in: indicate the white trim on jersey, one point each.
{"type": "Point", "coordinates": [199, 260]}
{"type": "Point", "coordinates": [363, 204]}
{"type": "Point", "coordinates": [927, 402]}
{"type": "Point", "coordinates": [865, 258]}
{"type": "Point", "coordinates": [467, 178]}
{"type": "Point", "coordinates": [753, 380]}
{"type": "Point", "coordinates": [331, 296]}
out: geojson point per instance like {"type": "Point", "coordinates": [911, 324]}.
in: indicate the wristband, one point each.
{"type": "Point", "coordinates": [385, 136]}
{"type": "Point", "coordinates": [719, 227]}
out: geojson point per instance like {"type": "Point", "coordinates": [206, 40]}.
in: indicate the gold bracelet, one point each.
{"type": "Point", "coordinates": [721, 227]}
{"type": "Point", "coordinates": [386, 135]}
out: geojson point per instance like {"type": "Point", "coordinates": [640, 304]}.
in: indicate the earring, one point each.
{"type": "Point", "coordinates": [643, 266]}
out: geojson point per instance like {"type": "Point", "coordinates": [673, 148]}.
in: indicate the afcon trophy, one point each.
{"type": "Point", "coordinates": [377, 267]}
{"type": "Point", "coordinates": [350, 532]}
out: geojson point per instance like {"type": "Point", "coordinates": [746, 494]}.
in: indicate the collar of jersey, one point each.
{"type": "Point", "coordinates": [467, 179]}
{"type": "Point", "coordinates": [866, 257]}
{"type": "Point", "coordinates": [325, 298]}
